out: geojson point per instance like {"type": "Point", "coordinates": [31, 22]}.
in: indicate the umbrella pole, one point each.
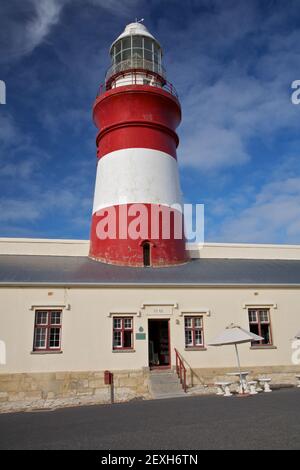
{"type": "Point", "coordinates": [239, 365]}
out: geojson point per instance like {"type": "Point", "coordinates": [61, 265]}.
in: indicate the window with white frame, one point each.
{"type": "Point", "coordinates": [47, 330]}
{"type": "Point", "coordinates": [122, 333]}
{"type": "Point", "coordinates": [260, 324]}
{"type": "Point", "coordinates": [193, 328]}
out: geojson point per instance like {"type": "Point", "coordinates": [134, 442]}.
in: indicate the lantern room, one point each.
{"type": "Point", "coordinates": [136, 59]}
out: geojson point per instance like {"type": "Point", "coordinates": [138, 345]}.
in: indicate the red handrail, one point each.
{"type": "Point", "coordinates": [180, 370]}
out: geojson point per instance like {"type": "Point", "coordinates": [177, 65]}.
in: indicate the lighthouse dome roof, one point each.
{"type": "Point", "coordinates": [135, 29]}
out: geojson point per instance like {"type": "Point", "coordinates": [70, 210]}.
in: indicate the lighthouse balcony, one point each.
{"type": "Point", "coordinates": [137, 77]}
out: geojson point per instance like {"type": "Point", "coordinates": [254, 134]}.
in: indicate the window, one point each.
{"type": "Point", "coordinates": [117, 47]}
{"type": "Point", "coordinates": [146, 254]}
{"type": "Point", "coordinates": [194, 337]}
{"type": "Point", "coordinates": [148, 55]}
{"type": "Point", "coordinates": [260, 324]}
{"type": "Point", "coordinates": [137, 41]}
{"type": "Point", "coordinates": [137, 54]}
{"type": "Point", "coordinates": [118, 58]}
{"type": "Point", "coordinates": [148, 44]}
{"type": "Point", "coordinates": [47, 330]}
{"type": "Point", "coordinates": [123, 333]}
{"type": "Point", "coordinates": [126, 55]}
{"type": "Point", "coordinates": [126, 43]}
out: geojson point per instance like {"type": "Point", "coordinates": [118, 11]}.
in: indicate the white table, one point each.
{"type": "Point", "coordinates": [244, 385]}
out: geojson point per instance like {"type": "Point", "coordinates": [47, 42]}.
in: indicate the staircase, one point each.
{"type": "Point", "coordinates": [165, 384]}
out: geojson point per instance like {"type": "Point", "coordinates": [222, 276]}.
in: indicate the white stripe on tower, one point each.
{"type": "Point", "coordinates": [136, 175]}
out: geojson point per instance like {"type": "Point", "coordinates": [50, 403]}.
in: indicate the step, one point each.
{"type": "Point", "coordinates": [165, 388]}
{"type": "Point", "coordinates": [165, 384]}
{"type": "Point", "coordinates": [163, 378]}
{"type": "Point", "coordinates": [171, 395]}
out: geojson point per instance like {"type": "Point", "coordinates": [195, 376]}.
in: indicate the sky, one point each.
{"type": "Point", "coordinates": [232, 63]}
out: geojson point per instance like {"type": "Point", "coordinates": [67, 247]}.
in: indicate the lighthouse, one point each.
{"type": "Point", "coordinates": [137, 217]}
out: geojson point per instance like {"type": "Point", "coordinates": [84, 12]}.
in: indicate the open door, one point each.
{"type": "Point", "coordinates": [159, 344]}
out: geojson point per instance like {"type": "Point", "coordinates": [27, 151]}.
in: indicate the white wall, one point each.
{"type": "Point", "coordinates": [87, 325]}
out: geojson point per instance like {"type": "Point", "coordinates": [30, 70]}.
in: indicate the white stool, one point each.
{"type": "Point", "coordinates": [252, 385]}
{"type": "Point", "coordinates": [243, 387]}
{"type": "Point", "coordinates": [223, 388]}
{"type": "Point", "coordinates": [265, 384]}
{"type": "Point", "coordinates": [298, 378]}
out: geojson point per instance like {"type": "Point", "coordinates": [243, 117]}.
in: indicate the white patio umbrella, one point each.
{"type": "Point", "coordinates": [234, 334]}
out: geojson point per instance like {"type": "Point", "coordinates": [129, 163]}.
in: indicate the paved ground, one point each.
{"type": "Point", "coordinates": [265, 421]}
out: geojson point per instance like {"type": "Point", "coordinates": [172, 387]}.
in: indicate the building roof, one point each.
{"type": "Point", "coordinates": [82, 271]}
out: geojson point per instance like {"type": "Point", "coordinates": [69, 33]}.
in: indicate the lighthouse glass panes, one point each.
{"type": "Point", "coordinates": [136, 52]}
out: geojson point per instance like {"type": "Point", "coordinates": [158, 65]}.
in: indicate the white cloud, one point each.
{"type": "Point", "coordinates": [233, 69]}
{"type": "Point", "coordinates": [212, 148]}
{"type": "Point", "coordinates": [273, 215]}
{"type": "Point", "coordinates": [13, 210]}
{"type": "Point", "coordinates": [47, 13]}
{"type": "Point", "coordinates": [25, 26]}
{"type": "Point", "coordinates": [117, 7]}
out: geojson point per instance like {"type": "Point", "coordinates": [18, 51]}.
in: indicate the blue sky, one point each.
{"type": "Point", "coordinates": [232, 63]}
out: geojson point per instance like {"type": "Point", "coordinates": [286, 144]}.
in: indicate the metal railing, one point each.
{"type": "Point", "coordinates": [133, 77]}
{"type": "Point", "coordinates": [180, 370]}
{"type": "Point", "coordinates": [135, 63]}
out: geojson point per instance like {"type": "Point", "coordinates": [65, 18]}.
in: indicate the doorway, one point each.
{"type": "Point", "coordinates": [159, 344]}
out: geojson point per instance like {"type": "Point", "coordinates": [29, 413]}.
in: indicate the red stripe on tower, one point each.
{"type": "Point", "coordinates": [137, 114]}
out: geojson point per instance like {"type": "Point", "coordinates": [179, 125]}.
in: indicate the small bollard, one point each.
{"type": "Point", "coordinates": [109, 380]}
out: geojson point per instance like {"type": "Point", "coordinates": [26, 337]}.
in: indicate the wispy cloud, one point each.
{"type": "Point", "coordinates": [25, 25]}
{"type": "Point", "coordinates": [266, 213]}
{"type": "Point", "coordinates": [233, 67]}
{"type": "Point", "coordinates": [117, 7]}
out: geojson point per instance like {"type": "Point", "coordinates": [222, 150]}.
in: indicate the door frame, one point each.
{"type": "Point", "coordinates": [169, 344]}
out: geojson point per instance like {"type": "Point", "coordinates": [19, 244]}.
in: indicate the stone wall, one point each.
{"type": "Point", "coordinates": [55, 389]}
{"type": "Point", "coordinates": [28, 391]}
{"type": "Point", "coordinates": [280, 375]}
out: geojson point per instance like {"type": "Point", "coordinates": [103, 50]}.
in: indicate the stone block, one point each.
{"type": "Point", "coordinates": [102, 393]}
{"type": "Point", "coordinates": [96, 383]}
{"type": "Point", "coordinates": [99, 375]}
{"type": "Point", "coordinates": [80, 375]}
{"type": "Point", "coordinates": [34, 395]}
{"type": "Point", "coordinates": [87, 392]}
{"type": "Point", "coordinates": [3, 397]}
{"type": "Point", "coordinates": [10, 386]}
{"type": "Point", "coordinates": [127, 382]}
{"type": "Point", "coordinates": [81, 384]}
{"type": "Point", "coordinates": [136, 374]}
{"type": "Point", "coordinates": [16, 396]}
{"type": "Point", "coordinates": [62, 375]}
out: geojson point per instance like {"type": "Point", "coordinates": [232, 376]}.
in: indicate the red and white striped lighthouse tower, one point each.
{"type": "Point", "coordinates": [137, 112]}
